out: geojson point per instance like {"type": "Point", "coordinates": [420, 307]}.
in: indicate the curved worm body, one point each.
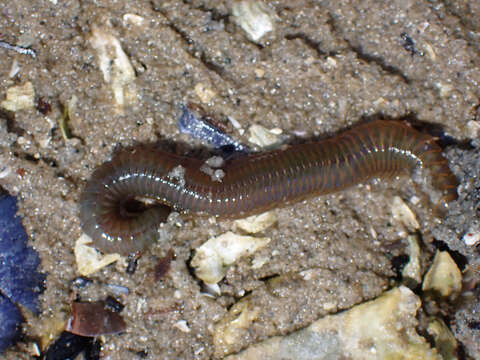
{"type": "Point", "coordinates": [250, 184]}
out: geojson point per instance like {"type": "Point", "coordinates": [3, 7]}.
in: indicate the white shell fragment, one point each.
{"type": "Point", "coordinates": [212, 290]}
{"type": "Point", "coordinates": [254, 18]}
{"type": "Point", "coordinates": [444, 89]}
{"type": "Point", "coordinates": [213, 258]}
{"type": "Point", "coordinates": [444, 276]}
{"type": "Point", "coordinates": [182, 326]}
{"type": "Point", "coordinates": [472, 237]}
{"type": "Point", "coordinates": [90, 260]}
{"type": "Point", "coordinates": [429, 51]}
{"type": "Point", "coordinates": [263, 137]}
{"type": "Point", "coordinates": [19, 97]}
{"type": "Point", "coordinates": [5, 171]}
{"type": "Point", "coordinates": [133, 19]}
{"type": "Point", "coordinates": [402, 213]}
{"type": "Point", "coordinates": [259, 261]}
{"type": "Point", "coordinates": [443, 338]}
{"type": "Point", "coordinates": [116, 67]}
{"type": "Point", "coordinates": [215, 161]}
{"type": "Point", "coordinates": [209, 168]}
{"type": "Point", "coordinates": [235, 325]}
{"type": "Point", "coordinates": [204, 93]}
{"type": "Point", "coordinates": [380, 329]}
{"type": "Point", "coordinates": [412, 272]}
{"type": "Point", "coordinates": [178, 174]}
{"type": "Point", "coordinates": [473, 129]}
{"type": "Point", "coordinates": [14, 69]}
{"type": "Point", "coordinates": [256, 223]}
{"type": "Point", "coordinates": [259, 73]}
{"type": "Point", "coordinates": [235, 123]}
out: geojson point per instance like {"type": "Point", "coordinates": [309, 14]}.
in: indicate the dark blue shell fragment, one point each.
{"type": "Point", "coordinates": [10, 319]}
{"type": "Point", "coordinates": [198, 128]}
{"type": "Point", "coordinates": [20, 283]}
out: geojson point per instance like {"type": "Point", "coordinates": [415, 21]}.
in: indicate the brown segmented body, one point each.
{"type": "Point", "coordinates": [252, 183]}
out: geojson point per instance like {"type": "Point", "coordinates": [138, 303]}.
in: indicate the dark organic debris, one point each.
{"type": "Point", "coordinates": [408, 43]}
{"type": "Point", "coordinates": [132, 263]}
{"type": "Point", "coordinates": [81, 282]}
{"type": "Point", "coordinates": [44, 106]}
{"type": "Point", "coordinates": [163, 265]}
{"type": "Point", "coordinates": [475, 325]}
{"type": "Point", "coordinates": [22, 172]}
{"type": "Point", "coordinates": [113, 304]}
{"type": "Point", "coordinates": [69, 346]}
{"type": "Point", "coordinates": [93, 319]}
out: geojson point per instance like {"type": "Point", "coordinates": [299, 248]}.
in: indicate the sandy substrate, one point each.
{"type": "Point", "coordinates": [324, 67]}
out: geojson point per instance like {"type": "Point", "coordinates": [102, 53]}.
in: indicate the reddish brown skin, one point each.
{"type": "Point", "coordinates": [252, 183]}
{"type": "Point", "coordinates": [163, 265]}
{"type": "Point", "coordinates": [93, 319]}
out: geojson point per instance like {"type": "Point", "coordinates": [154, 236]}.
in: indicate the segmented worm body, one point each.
{"type": "Point", "coordinates": [252, 183]}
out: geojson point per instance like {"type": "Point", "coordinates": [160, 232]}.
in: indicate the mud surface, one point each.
{"type": "Point", "coordinates": [325, 67]}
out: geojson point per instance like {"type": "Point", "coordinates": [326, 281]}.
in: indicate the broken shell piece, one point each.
{"type": "Point", "coordinates": [116, 67]}
{"type": "Point", "coordinates": [19, 97]}
{"type": "Point", "coordinates": [118, 290]}
{"type": "Point", "coordinates": [444, 89]}
{"type": "Point", "coordinates": [211, 290]}
{"type": "Point", "coordinates": [412, 272]}
{"type": "Point", "coordinates": [90, 260]}
{"type": "Point", "coordinates": [473, 129]}
{"type": "Point", "coordinates": [235, 123]}
{"type": "Point", "coordinates": [215, 161]}
{"type": "Point", "coordinates": [209, 168]}
{"type": "Point", "coordinates": [63, 122]}
{"type": "Point", "coordinates": [182, 326]}
{"type": "Point", "coordinates": [254, 18]}
{"type": "Point", "coordinates": [429, 51]}
{"type": "Point", "coordinates": [402, 213]}
{"type": "Point", "coordinates": [259, 261]}
{"type": "Point", "coordinates": [445, 342]}
{"type": "Point", "coordinates": [471, 237]}
{"type": "Point", "coordinates": [133, 19]}
{"type": "Point", "coordinates": [213, 258]}
{"type": "Point", "coordinates": [383, 328]}
{"type": "Point", "coordinates": [178, 174]}
{"type": "Point", "coordinates": [235, 324]}
{"type": "Point", "coordinates": [259, 73]}
{"type": "Point", "coordinates": [5, 171]}
{"type": "Point", "coordinates": [92, 319]}
{"type": "Point", "coordinates": [14, 70]}
{"type": "Point", "coordinates": [263, 137]}
{"type": "Point", "coordinates": [204, 93]}
{"type": "Point", "coordinates": [444, 276]}
{"type": "Point", "coordinates": [50, 327]}
{"type": "Point", "coordinates": [256, 223]}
